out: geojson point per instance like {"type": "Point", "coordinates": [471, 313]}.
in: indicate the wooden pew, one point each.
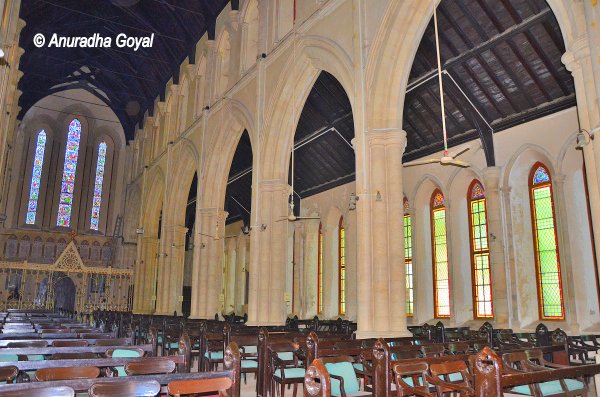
{"type": "Point", "coordinates": [91, 341]}
{"type": "Point", "coordinates": [231, 363]}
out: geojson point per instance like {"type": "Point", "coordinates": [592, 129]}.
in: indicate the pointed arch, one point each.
{"type": "Point", "coordinates": [67, 189]}
{"type": "Point", "coordinates": [36, 176]}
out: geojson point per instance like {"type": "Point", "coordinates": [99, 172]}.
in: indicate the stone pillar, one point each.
{"type": "Point", "coordinates": [240, 273]}
{"type": "Point", "coordinates": [208, 266]}
{"type": "Point", "coordinates": [266, 304]}
{"type": "Point", "coordinates": [491, 178]}
{"type": "Point", "coordinates": [297, 268]}
{"type": "Point", "coordinates": [579, 62]}
{"type": "Point", "coordinates": [310, 267]}
{"type": "Point", "coordinates": [170, 274]}
{"type": "Point", "coordinates": [381, 275]}
{"type": "Point", "coordinates": [145, 273]}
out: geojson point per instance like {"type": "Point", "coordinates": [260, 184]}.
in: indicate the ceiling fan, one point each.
{"type": "Point", "coordinates": [291, 216]}
{"type": "Point", "coordinates": [447, 157]}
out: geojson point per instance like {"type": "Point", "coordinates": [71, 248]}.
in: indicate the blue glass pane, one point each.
{"type": "Point", "coordinates": [69, 172]}
{"type": "Point", "coordinates": [97, 200]}
{"type": "Point", "coordinates": [36, 175]}
{"type": "Point", "coordinates": [540, 176]}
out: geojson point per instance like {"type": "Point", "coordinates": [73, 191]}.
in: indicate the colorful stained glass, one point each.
{"type": "Point", "coordinates": [438, 199]}
{"type": "Point", "coordinates": [342, 274]}
{"type": "Point", "coordinates": [546, 248]}
{"type": "Point", "coordinates": [480, 253]}
{"type": "Point", "coordinates": [441, 272]}
{"type": "Point", "coordinates": [408, 264]}
{"type": "Point", "coordinates": [36, 175]}
{"type": "Point", "coordinates": [69, 172]}
{"type": "Point", "coordinates": [320, 273]}
{"type": "Point", "coordinates": [406, 205]}
{"type": "Point", "coordinates": [97, 200]}
{"type": "Point", "coordinates": [540, 175]}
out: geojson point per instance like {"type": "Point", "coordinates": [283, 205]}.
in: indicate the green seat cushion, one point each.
{"type": "Point", "coordinates": [249, 364]}
{"type": "Point", "coordinates": [250, 349]}
{"type": "Point", "coordinates": [290, 373]}
{"type": "Point", "coordinates": [8, 357]}
{"type": "Point", "coordinates": [122, 353]}
{"type": "Point", "coordinates": [173, 345]}
{"type": "Point", "coordinates": [214, 355]}
{"type": "Point", "coordinates": [550, 388]}
{"type": "Point", "coordinates": [35, 357]}
{"type": "Point", "coordinates": [159, 339]}
{"type": "Point", "coordinates": [359, 366]}
{"type": "Point", "coordinates": [454, 377]}
{"type": "Point", "coordinates": [346, 371]}
{"type": "Point", "coordinates": [286, 356]}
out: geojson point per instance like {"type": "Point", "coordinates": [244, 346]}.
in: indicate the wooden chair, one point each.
{"type": "Point", "coordinates": [29, 344]}
{"type": "Point", "coordinates": [149, 388]}
{"type": "Point", "coordinates": [70, 343]}
{"type": "Point", "coordinates": [286, 369]}
{"type": "Point", "coordinates": [184, 387]}
{"type": "Point", "coordinates": [435, 350]}
{"type": "Point", "coordinates": [57, 391]}
{"type": "Point", "coordinates": [66, 373]}
{"type": "Point", "coordinates": [445, 383]}
{"type": "Point", "coordinates": [212, 344]}
{"type": "Point", "coordinates": [150, 368]}
{"type": "Point", "coordinates": [113, 342]}
{"type": "Point", "coordinates": [344, 381]}
{"type": "Point", "coordinates": [411, 379]}
{"type": "Point", "coordinates": [459, 348]}
{"type": "Point", "coordinates": [8, 374]}
{"type": "Point", "coordinates": [123, 352]}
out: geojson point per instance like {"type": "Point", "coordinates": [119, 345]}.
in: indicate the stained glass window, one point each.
{"type": "Point", "coordinates": [320, 272]}
{"type": "Point", "coordinates": [97, 200]}
{"type": "Point", "coordinates": [36, 176]}
{"type": "Point", "coordinates": [441, 271]}
{"type": "Point", "coordinates": [545, 243]}
{"type": "Point", "coordinates": [480, 253]}
{"type": "Point", "coordinates": [408, 260]}
{"type": "Point", "coordinates": [342, 273]}
{"type": "Point", "coordinates": [65, 204]}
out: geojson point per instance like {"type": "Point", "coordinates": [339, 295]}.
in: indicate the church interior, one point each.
{"type": "Point", "coordinates": [376, 197]}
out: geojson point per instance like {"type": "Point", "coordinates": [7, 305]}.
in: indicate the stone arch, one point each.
{"type": "Point", "coordinates": [218, 161]}
{"type": "Point", "coordinates": [314, 54]}
{"type": "Point", "coordinates": [250, 33]}
{"type": "Point", "coordinates": [540, 154]}
{"type": "Point", "coordinates": [395, 45]}
{"type": "Point", "coordinates": [182, 172]}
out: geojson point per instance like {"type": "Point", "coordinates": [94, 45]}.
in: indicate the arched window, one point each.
{"type": "Point", "coordinates": [342, 268]}
{"type": "Point", "coordinates": [408, 259]}
{"type": "Point", "coordinates": [550, 296]}
{"type": "Point", "coordinates": [480, 252]}
{"type": "Point", "coordinates": [36, 176]}
{"type": "Point", "coordinates": [441, 273]}
{"type": "Point", "coordinates": [65, 204]}
{"type": "Point", "coordinates": [320, 272]}
{"type": "Point", "coordinates": [99, 179]}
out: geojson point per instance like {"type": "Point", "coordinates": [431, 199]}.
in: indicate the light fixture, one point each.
{"type": "Point", "coordinates": [353, 199]}
{"type": "Point", "coordinates": [139, 231]}
{"type": "Point", "coordinates": [582, 140]}
{"type": "Point", "coordinates": [1, 53]}
{"type": "Point", "coordinates": [246, 229]}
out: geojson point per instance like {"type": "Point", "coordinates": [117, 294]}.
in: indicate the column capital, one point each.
{"type": "Point", "coordinates": [572, 57]}
{"type": "Point", "coordinates": [491, 178]}
{"type": "Point", "coordinates": [386, 136]}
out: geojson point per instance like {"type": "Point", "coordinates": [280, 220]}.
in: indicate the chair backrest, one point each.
{"type": "Point", "coordinates": [65, 373]}
{"type": "Point", "coordinates": [70, 343]}
{"type": "Point", "coordinates": [458, 347]}
{"type": "Point", "coordinates": [8, 373]}
{"type": "Point", "coordinates": [73, 356]}
{"type": "Point", "coordinates": [149, 388]}
{"type": "Point", "coordinates": [515, 360]}
{"type": "Point", "coordinates": [183, 387]}
{"type": "Point", "coordinates": [150, 367]}
{"type": "Point", "coordinates": [112, 342]}
{"type": "Point", "coordinates": [416, 374]}
{"type": "Point", "coordinates": [442, 370]}
{"type": "Point", "coordinates": [29, 343]}
{"type": "Point", "coordinates": [57, 391]}
{"type": "Point", "coordinates": [341, 366]}
{"type": "Point", "coordinates": [435, 350]}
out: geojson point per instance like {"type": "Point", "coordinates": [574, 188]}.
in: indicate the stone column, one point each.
{"type": "Point", "coordinates": [310, 276]}
{"type": "Point", "coordinates": [145, 275]}
{"type": "Point", "coordinates": [579, 62]}
{"type": "Point", "coordinates": [240, 273]}
{"type": "Point", "coordinates": [266, 304]}
{"type": "Point", "coordinates": [170, 275]}
{"type": "Point", "coordinates": [381, 274]}
{"type": "Point", "coordinates": [208, 265]}
{"type": "Point", "coordinates": [498, 269]}
{"type": "Point", "coordinates": [297, 268]}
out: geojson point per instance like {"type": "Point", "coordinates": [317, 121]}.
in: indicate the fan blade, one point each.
{"type": "Point", "coordinates": [421, 162]}
{"type": "Point", "coordinates": [459, 163]}
{"type": "Point", "coordinates": [458, 153]}
{"type": "Point", "coordinates": [307, 217]}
